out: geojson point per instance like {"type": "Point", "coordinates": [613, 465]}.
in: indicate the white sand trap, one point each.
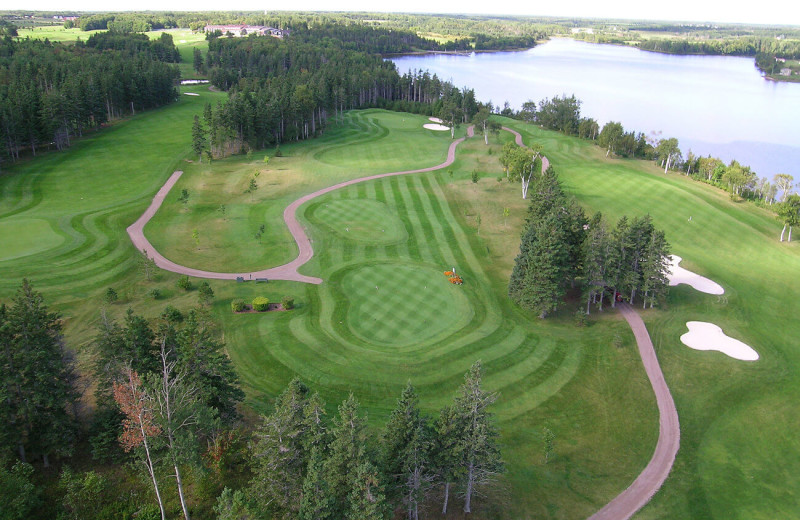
{"type": "Point", "coordinates": [678, 275]}
{"type": "Point", "coordinates": [707, 336]}
{"type": "Point", "coordinates": [191, 94]}
{"type": "Point", "coordinates": [432, 126]}
{"type": "Point", "coordinates": [435, 119]}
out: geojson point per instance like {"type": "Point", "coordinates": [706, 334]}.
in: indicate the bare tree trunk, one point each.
{"type": "Point", "coordinates": [468, 493]}
{"type": "Point", "coordinates": [446, 497]}
{"type": "Point", "coordinates": [180, 493]}
{"type": "Point", "coordinates": [782, 232]}
{"type": "Point", "coordinates": [790, 234]}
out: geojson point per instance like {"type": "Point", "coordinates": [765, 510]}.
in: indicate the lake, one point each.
{"type": "Point", "coordinates": [714, 105]}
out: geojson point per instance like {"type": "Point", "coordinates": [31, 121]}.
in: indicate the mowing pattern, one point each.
{"type": "Point", "coordinates": [416, 326]}
{"type": "Point", "coordinates": [408, 305]}
{"type": "Point", "coordinates": [362, 220]}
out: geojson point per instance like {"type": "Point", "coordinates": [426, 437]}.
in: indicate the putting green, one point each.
{"type": "Point", "coordinates": [360, 220]}
{"type": "Point", "coordinates": [25, 237]}
{"type": "Point", "coordinates": [401, 304]}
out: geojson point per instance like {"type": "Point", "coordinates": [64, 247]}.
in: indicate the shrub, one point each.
{"type": "Point", "coordinates": [580, 318]}
{"type": "Point", "coordinates": [260, 304]}
{"type": "Point", "coordinates": [184, 283]}
{"type": "Point", "coordinates": [111, 295]}
{"type": "Point", "coordinates": [172, 315]}
{"type": "Point", "coordinates": [237, 305]}
{"type": "Point", "coordinates": [287, 302]}
{"type": "Point", "coordinates": [155, 294]}
{"type": "Point", "coordinates": [206, 293]}
{"type": "Point", "coordinates": [278, 152]}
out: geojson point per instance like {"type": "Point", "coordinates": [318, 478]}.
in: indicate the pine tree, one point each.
{"type": "Point", "coordinates": [366, 499]}
{"type": "Point", "coordinates": [345, 453]}
{"type": "Point", "coordinates": [36, 377]}
{"type": "Point", "coordinates": [406, 452]}
{"type": "Point", "coordinates": [481, 460]}
{"type": "Point", "coordinates": [279, 457]}
{"type": "Point", "coordinates": [317, 501]}
{"type": "Point", "coordinates": [199, 141]}
{"type": "Point", "coordinates": [447, 452]}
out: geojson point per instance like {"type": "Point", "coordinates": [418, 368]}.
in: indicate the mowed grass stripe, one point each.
{"type": "Point", "coordinates": [398, 200]}
{"type": "Point", "coordinates": [424, 224]}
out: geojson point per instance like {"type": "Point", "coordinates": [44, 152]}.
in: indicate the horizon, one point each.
{"type": "Point", "coordinates": [769, 12]}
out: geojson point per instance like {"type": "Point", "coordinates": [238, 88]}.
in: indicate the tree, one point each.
{"type": "Point", "coordinates": [346, 453]}
{"type": "Point", "coordinates": [111, 295]}
{"type": "Point", "coordinates": [406, 452]}
{"type": "Point", "coordinates": [205, 293]}
{"type": "Point", "coordinates": [139, 428]}
{"type": "Point", "coordinates": [146, 265]}
{"type": "Point", "coordinates": [481, 460]}
{"type": "Point", "coordinates": [450, 114]}
{"type": "Point", "coordinates": [279, 456]}
{"type": "Point", "coordinates": [316, 502]}
{"type": "Point", "coordinates": [612, 132]}
{"type": "Point", "coordinates": [37, 376]}
{"type": "Point", "coordinates": [197, 60]}
{"type": "Point", "coordinates": [199, 141]}
{"type": "Point", "coordinates": [783, 182]}
{"type": "Point", "coordinates": [447, 451]}
{"type": "Point", "coordinates": [482, 121]}
{"type": "Point", "coordinates": [789, 214]}
{"type": "Point", "coordinates": [18, 493]}
{"type": "Point", "coordinates": [667, 150]}
{"type": "Point", "coordinates": [83, 494]}
{"type": "Point", "coordinates": [366, 499]}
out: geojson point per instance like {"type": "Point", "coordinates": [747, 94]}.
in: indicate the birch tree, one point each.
{"type": "Point", "coordinates": [789, 214]}
{"type": "Point", "coordinates": [783, 181]}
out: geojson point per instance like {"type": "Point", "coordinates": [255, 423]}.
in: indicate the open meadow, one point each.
{"type": "Point", "coordinates": [386, 313]}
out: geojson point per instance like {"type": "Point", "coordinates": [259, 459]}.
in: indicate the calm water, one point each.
{"type": "Point", "coordinates": [713, 105]}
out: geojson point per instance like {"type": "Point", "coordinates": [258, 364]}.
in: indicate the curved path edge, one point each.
{"type": "Point", "coordinates": [649, 481]}
{"type": "Point", "coordinates": [286, 271]}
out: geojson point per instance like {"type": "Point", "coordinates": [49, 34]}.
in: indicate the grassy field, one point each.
{"type": "Point", "coordinates": [386, 313]}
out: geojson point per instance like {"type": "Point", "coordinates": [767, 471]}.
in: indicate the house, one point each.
{"type": "Point", "coordinates": [239, 30]}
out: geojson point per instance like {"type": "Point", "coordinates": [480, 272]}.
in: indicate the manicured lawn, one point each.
{"type": "Point", "coordinates": [738, 455]}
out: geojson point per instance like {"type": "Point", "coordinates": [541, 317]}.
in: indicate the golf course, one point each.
{"type": "Point", "coordinates": [386, 314]}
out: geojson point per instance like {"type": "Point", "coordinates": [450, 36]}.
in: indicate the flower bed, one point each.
{"type": "Point", "coordinates": [454, 278]}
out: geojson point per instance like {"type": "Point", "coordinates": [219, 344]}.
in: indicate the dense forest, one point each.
{"type": "Point", "coordinates": [287, 89]}
{"type": "Point", "coordinates": [51, 92]}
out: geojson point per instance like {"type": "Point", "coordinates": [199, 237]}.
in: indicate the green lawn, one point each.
{"type": "Point", "coordinates": [738, 455]}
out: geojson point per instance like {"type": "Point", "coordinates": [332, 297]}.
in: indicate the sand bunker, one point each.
{"type": "Point", "coordinates": [432, 126]}
{"type": "Point", "coordinates": [707, 336]}
{"type": "Point", "coordinates": [435, 119]}
{"type": "Point", "coordinates": [678, 275]}
{"type": "Point", "coordinates": [191, 94]}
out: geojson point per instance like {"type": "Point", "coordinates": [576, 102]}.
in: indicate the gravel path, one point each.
{"type": "Point", "coordinates": [669, 435]}
{"type": "Point", "coordinates": [282, 272]}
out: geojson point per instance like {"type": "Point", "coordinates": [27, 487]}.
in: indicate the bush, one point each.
{"type": "Point", "coordinates": [238, 305]}
{"type": "Point", "coordinates": [287, 303]}
{"type": "Point", "coordinates": [155, 294]}
{"type": "Point", "coordinates": [111, 295]}
{"type": "Point", "coordinates": [184, 283]}
{"type": "Point", "coordinates": [172, 315]}
{"type": "Point", "coordinates": [278, 152]}
{"type": "Point", "coordinates": [260, 304]}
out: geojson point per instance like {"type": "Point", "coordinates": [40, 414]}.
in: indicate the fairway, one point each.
{"type": "Point", "coordinates": [63, 217]}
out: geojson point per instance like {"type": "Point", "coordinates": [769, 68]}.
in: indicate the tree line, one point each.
{"type": "Point", "coordinates": [306, 466]}
{"type": "Point", "coordinates": [561, 249]}
{"type": "Point", "coordinates": [283, 90]}
{"type": "Point", "coordinates": [167, 404]}
{"type": "Point", "coordinates": [562, 114]}
{"type": "Point", "coordinates": [51, 92]}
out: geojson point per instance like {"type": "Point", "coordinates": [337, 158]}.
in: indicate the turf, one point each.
{"type": "Point", "coordinates": [738, 452]}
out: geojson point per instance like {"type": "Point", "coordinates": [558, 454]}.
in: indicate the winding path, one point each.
{"type": "Point", "coordinates": [305, 251]}
{"type": "Point", "coordinates": [627, 503]}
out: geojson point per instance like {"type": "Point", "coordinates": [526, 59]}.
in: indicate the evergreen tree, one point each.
{"type": "Point", "coordinates": [199, 141]}
{"type": "Point", "coordinates": [345, 453]}
{"type": "Point", "coordinates": [406, 452]}
{"type": "Point", "coordinates": [279, 457]}
{"type": "Point", "coordinates": [447, 451]}
{"type": "Point", "coordinates": [36, 378]}
{"type": "Point", "coordinates": [366, 499]}
{"type": "Point", "coordinates": [481, 460]}
{"type": "Point", "coordinates": [317, 501]}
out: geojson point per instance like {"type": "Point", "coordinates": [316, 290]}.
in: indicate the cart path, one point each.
{"type": "Point", "coordinates": [518, 140]}
{"type": "Point", "coordinates": [305, 251]}
{"type": "Point", "coordinates": [627, 503]}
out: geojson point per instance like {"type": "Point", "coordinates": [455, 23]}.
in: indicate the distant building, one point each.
{"type": "Point", "coordinates": [786, 72]}
{"type": "Point", "coordinates": [245, 30]}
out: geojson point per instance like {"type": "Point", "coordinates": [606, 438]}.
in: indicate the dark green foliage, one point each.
{"type": "Point", "coordinates": [260, 304]}
{"type": "Point", "coordinates": [287, 303]}
{"type": "Point", "coordinates": [406, 447]}
{"type": "Point", "coordinates": [317, 502]}
{"type": "Point", "coordinates": [155, 293]}
{"type": "Point", "coordinates": [184, 283]}
{"type": "Point", "coordinates": [37, 375]}
{"type": "Point", "coordinates": [367, 501]}
{"type": "Point", "coordinates": [205, 293]}
{"type": "Point", "coordinates": [199, 141]}
{"type": "Point", "coordinates": [172, 315]}
{"type": "Point", "coordinates": [111, 295]}
{"type": "Point", "coordinates": [51, 92]}
{"type": "Point", "coordinates": [197, 60]}
{"type": "Point", "coordinates": [480, 453]}
{"type": "Point", "coordinates": [238, 305]}
{"type": "Point", "coordinates": [233, 505]}
{"type": "Point", "coordinates": [18, 494]}
{"type": "Point", "coordinates": [84, 495]}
